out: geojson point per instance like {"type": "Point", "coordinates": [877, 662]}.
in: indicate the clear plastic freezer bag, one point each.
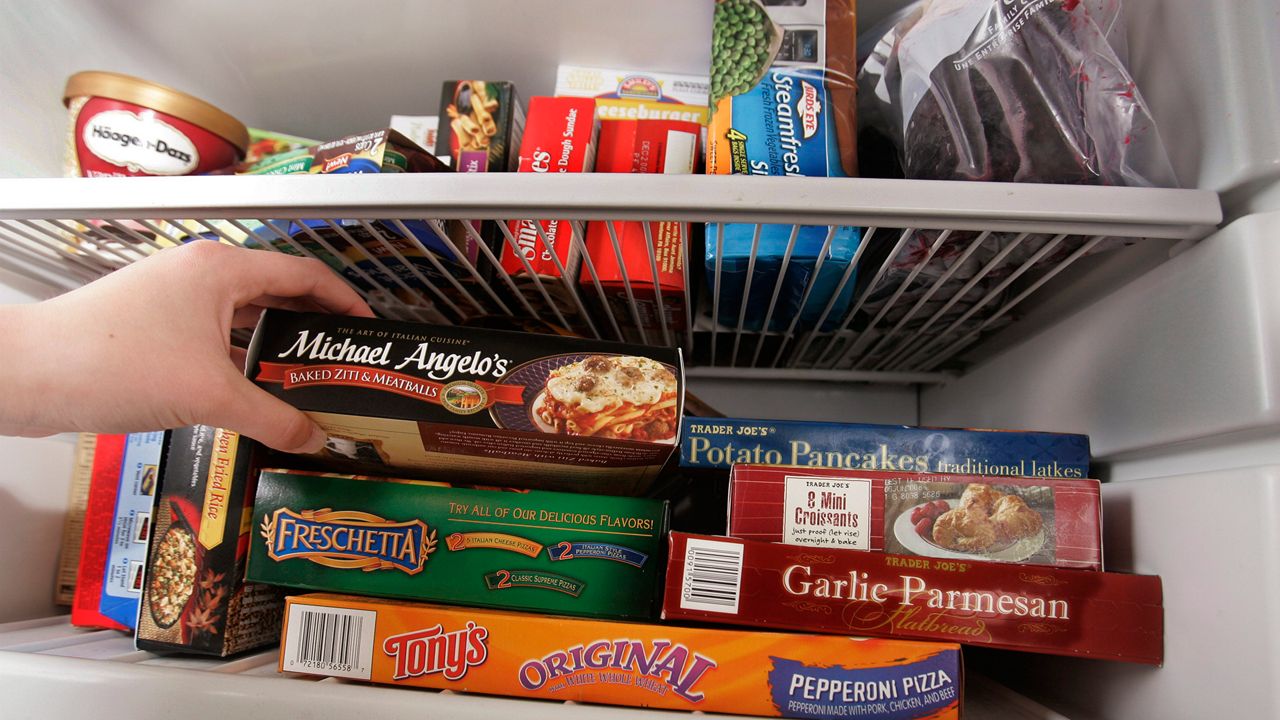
{"type": "Point", "coordinates": [1007, 90]}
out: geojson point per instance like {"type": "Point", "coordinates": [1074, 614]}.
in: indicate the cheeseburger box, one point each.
{"type": "Point", "coordinates": [1033, 521]}
{"type": "Point", "coordinates": [559, 137]}
{"type": "Point", "coordinates": [560, 553]}
{"type": "Point", "coordinates": [195, 598]}
{"type": "Point", "coordinates": [122, 577]}
{"type": "Point", "coordinates": [642, 267]}
{"type": "Point", "coordinates": [637, 94]}
{"type": "Point", "coordinates": [99, 517]}
{"type": "Point", "coordinates": [484, 406]}
{"type": "Point", "coordinates": [1078, 613]}
{"type": "Point", "coordinates": [592, 661]}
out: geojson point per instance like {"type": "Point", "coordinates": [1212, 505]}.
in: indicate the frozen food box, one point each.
{"type": "Point", "coordinates": [422, 130]}
{"type": "Point", "coordinates": [484, 123]}
{"type": "Point", "coordinates": [591, 661]}
{"type": "Point", "coordinates": [783, 88]}
{"type": "Point", "coordinates": [268, 153]}
{"type": "Point", "coordinates": [1031, 521]}
{"type": "Point", "coordinates": [64, 590]}
{"type": "Point", "coordinates": [719, 443]}
{"type": "Point", "coordinates": [99, 517]}
{"type": "Point", "coordinates": [761, 285]}
{"type": "Point", "coordinates": [266, 146]}
{"type": "Point", "coordinates": [622, 94]}
{"type": "Point", "coordinates": [782, 103]}
{"type": "Point", "coordinates": [483, 127]}
{"type": "Point", "coordinates": [559, 137]}
{"type": "Point", "coordinates": [1108, 616]}
{"type": "Point", "coordinates": [401, 263]}
{"type": "Point", "coordinates": [195, 598]}
{"type": "Point", "coordinates": [710, 446]}
{"type": "Point", "coordinates": [562, 553]}
{"type": "Point", "coordinates": [477, 406]}
{"type": "Point", "coordinates": [122, 577]}
{"type": "Point", "coordinates": [640, 266]}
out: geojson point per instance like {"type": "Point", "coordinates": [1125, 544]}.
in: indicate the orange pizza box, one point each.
{"type": "Point", "coordinates": [616, 663]}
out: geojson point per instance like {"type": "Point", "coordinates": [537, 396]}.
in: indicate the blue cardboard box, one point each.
{"type": "Point", "coordinates": [127, 557]}
{"type": "Point", "coordinates": [719, 443]}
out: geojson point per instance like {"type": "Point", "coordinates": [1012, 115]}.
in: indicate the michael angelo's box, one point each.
{"type": "Point", "coordinates": [561, 553]}
{"type": "Point", "coordinates": [592, 661]}
{"type": "Point", "coordinates": [483, 406]}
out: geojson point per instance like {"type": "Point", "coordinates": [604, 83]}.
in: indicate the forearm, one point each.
{"type": "Point", "coordinates": [26, 379]}
{"type": "Point", "coordinates": [147, 347]}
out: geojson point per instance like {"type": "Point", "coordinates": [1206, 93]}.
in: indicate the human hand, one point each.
{"type": "Point", "coordinates": [148, 347]}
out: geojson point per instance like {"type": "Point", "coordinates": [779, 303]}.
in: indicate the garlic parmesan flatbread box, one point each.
{"type": "Point", "coordinates": [476, 406]}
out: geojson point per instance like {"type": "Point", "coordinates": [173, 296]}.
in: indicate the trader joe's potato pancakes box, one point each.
{"type": "Point", "coordinates": [485, 406]}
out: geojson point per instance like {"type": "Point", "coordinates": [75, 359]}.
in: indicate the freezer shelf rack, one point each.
{"type": "Point", "coordinates": [843, 279]}
{"type": "Point", "coordinates": [50, 669]}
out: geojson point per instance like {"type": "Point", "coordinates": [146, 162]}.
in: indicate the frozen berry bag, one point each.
{"type": "Point", "coordinates": [1014, 91]}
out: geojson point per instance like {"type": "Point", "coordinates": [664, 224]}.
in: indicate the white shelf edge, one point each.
{"type": "Point", "coordinates": [1128, 212]}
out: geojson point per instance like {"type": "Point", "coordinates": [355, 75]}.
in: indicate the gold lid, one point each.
{"type": "Point", "coordinates": [160, 98]}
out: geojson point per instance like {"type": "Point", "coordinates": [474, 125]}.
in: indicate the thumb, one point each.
{"type": "Point", "coordinates": [252, 411]}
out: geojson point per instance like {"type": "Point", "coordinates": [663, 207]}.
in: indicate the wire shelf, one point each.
{"type": "Point", "coordinates": [841, 279]}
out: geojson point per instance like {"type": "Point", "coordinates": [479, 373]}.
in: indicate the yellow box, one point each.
{"type": "Point", "coordinates": [596, 661]}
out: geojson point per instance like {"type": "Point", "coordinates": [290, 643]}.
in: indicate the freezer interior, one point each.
{"type": "Point", "coordinates": [1164, 352]}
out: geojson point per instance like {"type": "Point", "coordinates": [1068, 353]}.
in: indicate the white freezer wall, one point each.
{"type": "Point", "coordinates": [1215, 539]}
{"type": "Point", "coordinates": [34, 480]}
{"type": "Point", "coordinates": [1175, 379]}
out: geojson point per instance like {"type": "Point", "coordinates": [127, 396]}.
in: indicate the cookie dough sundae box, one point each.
{"type": "Point", "coordinates": [563, 553]}
{"type": "Point", "coordinates": [481, 406]}
{"type": "Point", "coordinates": [640, 665]}
{"type": "Point", "coordinates": [1033, 521]}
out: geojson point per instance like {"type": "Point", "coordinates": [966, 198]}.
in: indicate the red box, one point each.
{"type": "Point", "coordinates": [559, 137]}
{"type": "Point", "coordinates": [849, 592]}
{"type": "Point", "coordinates": [99, 519]}
{"type": "Point", "coordinates": [642, 146]}
{"type": "Point", "coordinates": [1032, 521]}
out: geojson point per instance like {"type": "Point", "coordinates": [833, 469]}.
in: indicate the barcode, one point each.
{"type": "Point", "coordinates": [712, 576]}
{"type": "Point", "coordinates": [329, 641]}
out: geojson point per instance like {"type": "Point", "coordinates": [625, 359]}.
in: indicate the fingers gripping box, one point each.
{"type": "Point", "coordinates": [488, 407]}
{"type": "Point", "coordinates": [657, 666]}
